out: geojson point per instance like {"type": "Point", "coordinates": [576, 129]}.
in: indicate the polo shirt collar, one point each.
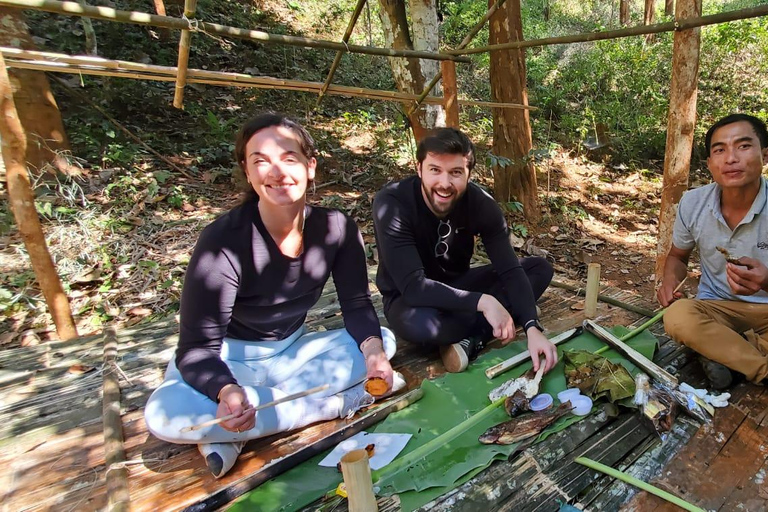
{"type": "Point", "coordinates": [758, 205]}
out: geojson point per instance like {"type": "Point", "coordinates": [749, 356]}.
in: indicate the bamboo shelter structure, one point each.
{"type": "Point", "coordinates": [681, 120]}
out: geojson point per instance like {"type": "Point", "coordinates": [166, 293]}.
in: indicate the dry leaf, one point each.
{"type": "Point", "coordinates": [578, 306]}
{"type": "Point", "coordinates": [139, 311]}
{"type": "Point", "coordinates": [79, 369]}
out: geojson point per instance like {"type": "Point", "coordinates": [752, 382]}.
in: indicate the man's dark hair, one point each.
{"type": "Point", "coordinates": [446, 141]}
{"type": "Point", "coordinates": [757, 125]}
{"type": "Point", "coordinates": [259, 123]}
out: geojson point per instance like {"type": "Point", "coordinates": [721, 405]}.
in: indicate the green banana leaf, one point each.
{"type": "Point", "coordinates": [447, 401]}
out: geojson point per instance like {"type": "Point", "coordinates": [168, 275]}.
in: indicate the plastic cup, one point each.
{"type": "Point", "coordinates": [565, 396]}
{"type": "Point", "coordinates": [541, 402]}
{"type": "Point", "coordinates": [582, 405]}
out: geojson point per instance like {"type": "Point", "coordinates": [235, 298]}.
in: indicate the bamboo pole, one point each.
{"type": "Point", "coordinates": [679, 24]}
{"type": "Point", "coordinates": [22, 203]}
{"type": "Point", "coordinates": [450, 93]}
{"type": "Point", "coordinates": [154, 20]}
{"type": "Point", "coordinates": [186, 37]}
{"type": "Point", "coordinates": [114, 452]}
{"type": "Point", "coordinates": [467, 39]}
{"type": "Point", "coordinates": [339, 54]}
{"type": "Point", "coordinates": [593, 287]}
{"type": "Point", "coordinates": [579, 290]}
{"type": "Point", "coordinates": [357, 480]}
{"type": "Point", "coordinates": [681, 122]}
{"type": "Point", "coordinates": [62, 63]}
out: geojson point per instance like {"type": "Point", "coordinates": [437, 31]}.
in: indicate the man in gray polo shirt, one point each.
{"type": "Point", "coordinates": [727, 322]}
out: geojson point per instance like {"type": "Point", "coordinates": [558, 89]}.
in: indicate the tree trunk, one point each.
{"type": "Point", "coordinates": [163, 33]}
{"type": "Point", "coordinates": [649, 17]}
{"type": "Point", "coordinates": [680, 125]}
{"type": "Point", "coordinates": [624, 12]}
{"type": "Point", "coordinates": [511, 127]}
{"type": "Point", "coordinates": [412, 75]}
{"type": "Point", "coordinates": [34, 101]}
{"type": "Point", "coordinates": [22, 202]}
{"type": "Point", "coordinates": [669, 7]}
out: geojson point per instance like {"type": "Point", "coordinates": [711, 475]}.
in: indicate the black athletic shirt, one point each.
{"type": "Point", "coordinates": [239, 285]}
{"type": "Point", "coordinates": [406, 236]}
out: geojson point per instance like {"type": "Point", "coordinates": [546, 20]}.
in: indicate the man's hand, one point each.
{"type": "Point", "coordinates": [666, 293]}
{"type": "Point", "coordinates": [498, 317]}
{"type": "Point", "coordinates": [376, 362]}
{"type": "Point", "coordinates": [539, 345]}
{"type": "Point", "coordinates": [748, 277]}
{"type": "Point", "coordinates": [232, 400]}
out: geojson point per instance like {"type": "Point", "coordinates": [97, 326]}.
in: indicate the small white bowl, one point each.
{"type": "Point", "coordinates": [569, 393]}
{"type": "Point", "coordinates": [582, 405]}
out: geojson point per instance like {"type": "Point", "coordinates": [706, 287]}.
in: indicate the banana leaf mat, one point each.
{"type": "Point", "coordinates": [447, 401]}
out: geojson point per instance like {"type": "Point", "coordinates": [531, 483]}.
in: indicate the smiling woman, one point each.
{"type": "Point", "coordinates": [253, 276]}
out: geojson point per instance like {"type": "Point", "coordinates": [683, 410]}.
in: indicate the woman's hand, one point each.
{"type": "Point", "coordinates": [376, 362]}
{"type": "Point", "coordinates": [232, 400]}
{"type": "Point", "coordinates": [539, 345]}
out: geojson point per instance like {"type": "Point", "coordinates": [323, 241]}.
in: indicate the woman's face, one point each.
{"type": "Point", "coordinates": [276, 167]}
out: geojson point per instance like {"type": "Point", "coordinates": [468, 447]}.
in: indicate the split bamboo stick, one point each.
{"type": "Point", "coordinates": [22, 203]}
{"type": "Point", "coordinates": [114, 451]}
{"type": "Point", "coordinates": [154, 20]}
{"type": "Point", "coordinates": [670, 26]}
{"type": "Point", "coordinates": [357, 479]}
{"type": "Point", "coordinates": [62, 63]}
{"type": "Point", "coordinates": [186, 37]}
{"type": "Point", "coordinates": [593, 287]}
{"type": "Point", "coordinates": [339, 54]}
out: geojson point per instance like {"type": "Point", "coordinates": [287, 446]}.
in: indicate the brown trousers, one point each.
{"type": "Point", "coordinates": [732, 333]}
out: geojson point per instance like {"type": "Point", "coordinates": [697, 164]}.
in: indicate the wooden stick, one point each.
{"type": "Point", "coordinates": [339, 54]}
{"type": "Point", "coordinates": [593, 287]}
{"type": "Point", "coordinates": [658, 373]}
{"type": "Point", "coordinates": [510, 363]}
{"type": "Point", "coordinates": [274, 468]}
{"type": "Point", "coordinates": [670, 26]}
{"type": "Point", "coordinates": [154, 20]}
{"type": "Point", "coordinates": [186, 37]}
{"type": "Point", "coordinates": [122, 128]}
{"type": "Point", "coordinates": [114, 452]}
{"type": "Point", "coordinates": [259, 407]}
{"type": "Point", "coordinates": [677, 288]}
{"type": "Point", "coordinates": [357, 479]}
{"type": "Point", "coordinates": [579, 290]}
{"type": "Point", "coordinates": [450, 94]}
{"type": "Point", "coordinates": [22, 203]}
{"type": "Point", "coordinates": [42, 61]}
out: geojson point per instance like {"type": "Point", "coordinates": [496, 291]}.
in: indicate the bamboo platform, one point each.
{"type": "Point", "coordinates": [53, 456]}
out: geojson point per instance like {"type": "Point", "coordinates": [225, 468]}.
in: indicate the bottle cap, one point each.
{"type": "Point", "coordinates": [582, 405]}
{"type": "Point", "coordinates": [541, 402]}
{"type": "Point", "coordinates": [565, 396]}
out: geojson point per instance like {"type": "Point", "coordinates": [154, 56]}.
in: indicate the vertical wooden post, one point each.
{"type": "Point", "coordinates": [181, 74]}
{"type": "Point", "coordinates": [624, 12]}
{"type": "Point", "coordinates": [669, 7]}
{"type": "Point", "coordinates": [680, 125]}
{"type": "Point", "coordinates": [649, 18]}
{"type": "Point", "coordinates": [118, 497]}
{"type": "Point", "coordinates": [357, 479]}
{"type": "Point", "coordinates": [450, 94]}
{"type": "Point", "coordinates": [593, 290]}
{"type": "Point", "coordinates": [22, 202]}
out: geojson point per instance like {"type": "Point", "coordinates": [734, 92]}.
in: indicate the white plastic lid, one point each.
{"type": "Point", "coordinates": [565, 396]}
{"type": "Point", "coordinates": [541, 402]}
{"type": "Point", "coordinates": [582, 405]}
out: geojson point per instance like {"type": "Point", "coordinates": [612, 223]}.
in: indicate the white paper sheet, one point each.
{"type": "Point", "coordinates": [387, 447]}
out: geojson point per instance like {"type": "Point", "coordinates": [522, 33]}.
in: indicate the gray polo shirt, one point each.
{"type": "Point", "coordinates": [700, 222]}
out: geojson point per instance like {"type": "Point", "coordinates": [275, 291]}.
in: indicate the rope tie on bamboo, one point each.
{"type": "Point", "coordinates": [194, 25]}
{"type": "Point", "coordinates": [111, 366]}
{"type": "Point", "coordinates": [345, 45]}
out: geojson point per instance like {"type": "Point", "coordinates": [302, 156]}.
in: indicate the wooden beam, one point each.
{"type": "Point", "coordinates": [677, 25]}
{"type": "Point", "coordinates": [450, 93]}
{"type": "Point", "coordinates": [190, 6]}
{"type": "Point", "coordinates": [62, 63]}
{"type": "Point", "coordinates": [22, 203]}
{"type": "Point", "coordinates": [154, 20]}
{"type": "Point", "coordinates": [339, 54]}
{"type": "Point", "coordinates": [593, 287]}
{"type": "Point", "coordinates": [114, 451]}
{"type": "Point", "coordinates": [681, 123]}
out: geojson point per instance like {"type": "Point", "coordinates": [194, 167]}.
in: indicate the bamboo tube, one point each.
{"type": "Point", "coordinates": [22, 203]}
{"type": "Point", "coordinates": [670, 26]}
{"type": "Point", "coordinates": [345, 39]}
{"type": "Point", "coordinates": [467, 39]}
{"type": "Point", "coordinates": [593, 287]}
{"type": "Point", "coordinates": [114, 452]}
{"type": "Point", "coordinates": [154, 20]}
{"type": "Point", "coordinates": [61, 63]}
{"type": "Point", "coordinates": [578, 290]}
{"type": "Point", "coordinates": [357, 480]}
{"type": "Point", "coordinates": [186, 37]}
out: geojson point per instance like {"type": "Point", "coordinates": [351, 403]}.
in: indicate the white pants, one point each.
{"type": "Point", "coordinates": [267, 371]}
